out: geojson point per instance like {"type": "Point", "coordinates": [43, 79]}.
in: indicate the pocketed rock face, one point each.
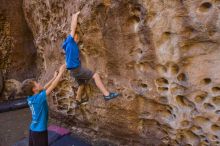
{"type": "Point", "coordinates": [162, 56]}
{"type": "Point", "coordinates": [12, 89]}
{"type": "Point", "coordinates": [17, 50]}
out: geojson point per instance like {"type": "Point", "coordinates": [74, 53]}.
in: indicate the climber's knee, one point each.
{"type": "Point", "coordinates": [95, 75]}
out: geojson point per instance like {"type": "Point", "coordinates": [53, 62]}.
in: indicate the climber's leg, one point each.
{"type": "Point", "coordinates": [79, 93]}
{"type": "Point", "coordinates": [107, 95]}
{"type": "Point", "coordinates": [99, 84]}
{"type": "Point", "coordinates": [84, 75]}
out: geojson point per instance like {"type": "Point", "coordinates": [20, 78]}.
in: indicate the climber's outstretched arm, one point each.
{"type": "Point", "coordinates": [49, 83]}
{"type": "Point", "coordinates": [74, 23]}
{"type": "Point", "coordinates": [56, 80]}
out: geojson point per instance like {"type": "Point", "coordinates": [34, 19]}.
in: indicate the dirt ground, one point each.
{"type": "Point", "coordinates": [14, 126]}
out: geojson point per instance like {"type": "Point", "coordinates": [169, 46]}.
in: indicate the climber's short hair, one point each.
{"type": "Point", "coordinates": [27, 87]}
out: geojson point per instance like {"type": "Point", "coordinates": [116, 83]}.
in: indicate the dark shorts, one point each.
{"type": "Point", "coordinates": [82, 75]}
{"type": "Point", "coordinates": [38, 138]}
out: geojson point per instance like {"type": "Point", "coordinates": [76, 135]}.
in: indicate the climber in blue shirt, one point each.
{"type": "Point", "coordinates": [81, 74]}
{"type": "Point", "coordinates": [37, 101]}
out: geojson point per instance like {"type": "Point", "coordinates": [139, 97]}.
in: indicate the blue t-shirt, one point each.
{"type": "Point", "coordinates": [39, 109]}
{"type": "Point", "coordinates": [72, 52]}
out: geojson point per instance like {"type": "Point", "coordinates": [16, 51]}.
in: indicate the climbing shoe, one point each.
{"type": "Point", "coordinates": [111, 96]}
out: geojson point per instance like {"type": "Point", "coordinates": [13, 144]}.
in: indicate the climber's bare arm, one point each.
{"type": "Point", "coordinates": [76, 38]}
{"type": "Point", "coordinates": [74, 23]}
{"type": "Point", "coordinates": [49, 83]}
{"type": "Point", "coordinates": [56, 80]}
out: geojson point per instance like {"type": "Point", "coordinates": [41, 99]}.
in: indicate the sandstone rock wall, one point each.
{"type": "Point", "coordinates": [162, 55]}
{"type": "Point", "coordinates": [17, 51]}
